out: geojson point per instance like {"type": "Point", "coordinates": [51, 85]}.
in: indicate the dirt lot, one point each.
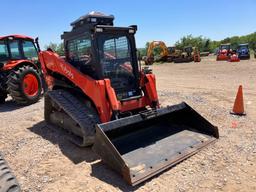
{"type": "Point", "coordinates": [44, 161]}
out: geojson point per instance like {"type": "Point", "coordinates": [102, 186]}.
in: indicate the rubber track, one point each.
{"type": "Point", "coordinates": [85, 117]}
{"type": "Point", "coordinates": [8, 182]}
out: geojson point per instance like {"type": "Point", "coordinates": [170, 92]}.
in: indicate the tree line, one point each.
{"type": "Point", "coordinates": [58, 48]}
{"type": "Point", "coordinates": [203, 43]}
{"type": "Point", "coordinates": [207, 45]}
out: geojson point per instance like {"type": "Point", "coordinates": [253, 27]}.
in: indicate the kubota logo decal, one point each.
{"type": "Point", "coordinates": [67, 71]}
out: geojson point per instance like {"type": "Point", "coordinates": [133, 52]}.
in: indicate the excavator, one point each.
{"type": "Point", "coordinates": [151, 57]}
{"type": "Point", "coordinates": [103, 98]}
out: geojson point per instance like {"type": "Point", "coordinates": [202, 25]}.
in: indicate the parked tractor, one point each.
{"type": "Point", "coordinates": [20, 71]}
{"type": "Point", "coordinates": [174, 53]}
{"type": "Point", "coordinates": [243, 51]}
{"type": "Point", "coordinates": [224, 52]}
{"type": "Point", "coordinates": [188, 54]}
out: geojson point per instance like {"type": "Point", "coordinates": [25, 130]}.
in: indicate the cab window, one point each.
{"type": "Point", "coordinates": [4, 55]}
{"type": "Point", "coordinates": [15, 51]}
{"type": "Point", "coordinates": [29, 50]}
{"type": "Point", "coordinates": [79, 50]}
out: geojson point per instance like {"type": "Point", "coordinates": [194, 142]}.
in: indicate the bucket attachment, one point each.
{"type": "Point", "coordinates": [141, 146]}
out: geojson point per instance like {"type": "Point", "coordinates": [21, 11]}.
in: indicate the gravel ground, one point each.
{"type": "Point", "coordinates": [43, 160]}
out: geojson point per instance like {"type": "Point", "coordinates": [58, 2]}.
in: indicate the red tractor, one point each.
{"type": "Point", "coordinates": [20, 71]}
{"type": "Point", "coordinates": [224, 52]}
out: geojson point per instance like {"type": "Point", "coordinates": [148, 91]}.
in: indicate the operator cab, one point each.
{"type": "Point", "coordinates": [188, 50]}
{"type": "Point", "coordinates": [102, 51]}
{"type": "Point", "coordinates": [225, 46]}
{"type": "Point", "coordinates": [243, 47]}
{"type": "Point", "coordinates": [171, 49]}
{"type": "Point", "coordinates": [16, 47]}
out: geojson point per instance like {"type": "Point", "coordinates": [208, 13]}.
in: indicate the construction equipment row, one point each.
{"type": "Point", "coordinates": [169, 54]}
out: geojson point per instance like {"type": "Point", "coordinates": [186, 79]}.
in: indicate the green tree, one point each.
{"type": "Point", "coordinates": [201, 42]}
{"type": "Point", "coordinates": [58, 48]}
{"type": "Point", "coordinates": [205, 44]}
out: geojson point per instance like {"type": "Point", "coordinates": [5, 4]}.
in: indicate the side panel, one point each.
{"type": "Point", "coordinates": [149, 84]}
{"type": "Point", "coordinates": [95, 90]}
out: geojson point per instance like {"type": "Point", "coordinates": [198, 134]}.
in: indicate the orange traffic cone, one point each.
{"type": "Point", "coordinates": [238, 108]}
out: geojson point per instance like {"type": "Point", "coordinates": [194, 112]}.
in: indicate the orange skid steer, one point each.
{"type": "Point", "coordinates": [102, 97]}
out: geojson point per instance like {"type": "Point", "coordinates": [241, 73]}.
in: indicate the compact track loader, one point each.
{"type": "Point", "coordinates": [100, 95]}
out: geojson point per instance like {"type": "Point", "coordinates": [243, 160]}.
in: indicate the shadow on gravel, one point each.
{"type": "Point", "coordinates": [58, 136]}
{"type": "Point", "coordinates": [103, 173]}
{"type": "Point", "coordinates": [9, 105]}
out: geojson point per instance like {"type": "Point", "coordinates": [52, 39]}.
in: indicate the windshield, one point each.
{"type": "Point", "coordinates": [115, 53]}
{"type": "Point", "coordinates": [29, 50]}
{"type": "Point", "coordinates": [241, 47]}
{"type": "Point", "coordinates": [227, 47]}
{"type": "Point", "coordinates": [4, 55]}
{"type": "Point", "coordinates": [188, 49]}
{"type": "Point", "coordinates": [116, 61]}
{"type": "Point", "coordinates": [171, 49]}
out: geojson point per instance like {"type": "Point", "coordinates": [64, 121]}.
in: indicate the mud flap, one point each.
{"type": "Point", "coordinates": [143, 145]}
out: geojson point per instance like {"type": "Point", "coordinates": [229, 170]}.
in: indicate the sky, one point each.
{"type": "Point", "coordinates": [166, 20]}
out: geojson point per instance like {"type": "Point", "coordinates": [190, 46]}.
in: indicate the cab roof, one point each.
{"type": "Point", "coordinates": [243, 44]}
{"type": "Point", "coordinates": [16, 36]}
{"type": "Point", "coordinates": [225, 44]}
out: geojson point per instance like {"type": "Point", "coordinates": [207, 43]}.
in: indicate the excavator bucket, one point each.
{"type": "Point", "coordinates": [141, 146]}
